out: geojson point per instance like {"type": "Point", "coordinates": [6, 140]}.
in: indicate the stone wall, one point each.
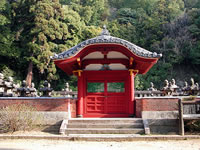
{"type": "Point", "coordinates": [160, 113]}
{"type": "Point", "coordinates": [162, 122]}
{"type": "Point", "coordinates": [53, 109]}
{"type": "Point", "coordinates": [155, 104]}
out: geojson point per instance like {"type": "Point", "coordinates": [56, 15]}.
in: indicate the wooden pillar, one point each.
{"type": "Point", "coordinates": [80, 96]}
{"type": "Point", "coordinates": [181, 121]}
{"type": "Point", "coordinates": [132, 108]}
{"type": "Point", "coordinates": [131, 94]}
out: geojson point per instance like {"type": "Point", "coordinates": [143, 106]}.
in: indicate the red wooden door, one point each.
{"type": "Point", "coordinates": [116, 97]}
{"type": "Point", "coordinates": [95, 97]}
{"type": "Point", "coordinates": [106, 96]}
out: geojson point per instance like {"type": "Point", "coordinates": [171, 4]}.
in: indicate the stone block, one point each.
{"type": "Point", "coordinates": [162, 122]}
{"type": "Point", "coordinates": [159, 114]}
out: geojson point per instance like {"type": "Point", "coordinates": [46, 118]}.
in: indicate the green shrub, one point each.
{"type": "Point", "coordinates": [192, 126]}
{"type": "Point", "coordinates": [18, 117]}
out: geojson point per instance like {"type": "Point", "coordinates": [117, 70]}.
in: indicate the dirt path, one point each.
{"type": "Point", "coordinates": [80, 145]}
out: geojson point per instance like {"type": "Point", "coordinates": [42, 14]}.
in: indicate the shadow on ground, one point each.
{"type": "Point", "coordinates": [52, 129]}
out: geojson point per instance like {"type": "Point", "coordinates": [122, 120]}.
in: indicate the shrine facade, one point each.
{"type": "Point", "coordinates": [106, 67]}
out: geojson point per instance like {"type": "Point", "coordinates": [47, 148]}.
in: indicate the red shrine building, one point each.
{"type": "Point", "coordinates": [105, 67]}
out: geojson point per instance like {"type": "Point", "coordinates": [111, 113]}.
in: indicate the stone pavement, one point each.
{"type": "Point", "coordinates": [94, 137]}
{"type": "Point", "coordinates": [24, 144]}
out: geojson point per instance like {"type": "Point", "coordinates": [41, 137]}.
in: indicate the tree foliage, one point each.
{"type": "Point", "coordinates": [32, 30]}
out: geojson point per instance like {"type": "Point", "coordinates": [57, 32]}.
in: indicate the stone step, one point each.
{"type": "Point", "coordinates": [104, 131]}
{"type": "Point", "coordinates": [103, 125]}
{"type": "Point", "coordinates": [105, 120]}
{"type": "Point", "coordinates": [104, 135]}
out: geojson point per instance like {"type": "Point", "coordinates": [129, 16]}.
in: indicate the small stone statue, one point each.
{"type": "Point", "coordinates": [166, 88]}
{"type": "Point", "coordinates": [15, 87]}
{"type": "Point", "coordinates": [173, 84]}
{"type": "Point", "coordinates": [197, 89]}
{"type": "Point", "coordinates": [1, 84]}
{"type": "Point", "coordinates": [23, 91]}
{"type": "Point", "coordinates": [1, 78]}
{"type": "Point", "coordinates": [185, 88]}
{"type": "Point", "coordinates": [67, 90]}
{"type": "Point", "coordinates": [151, 87]}
{"type": "Point", "coordinates": [67, 86]}
{"type": "Point", "coordinates": [166, 85]}
{"type": "Point", "coordinates": [170, 89]}
{"type": "Point", "coordinates": [8, 87]}
{"type": "Point", "coordinates": [105, 31]}
{"type": "Point", "coordinates": [33, 91]}
{"type": "Point", "coordinates": [174, 88]}
{"type": "Point", "coordinates": [46, 90]}
{"type": "Point", "coordinates": [192, 87]}
{"type": "Point", "coordinates": [197, 86]}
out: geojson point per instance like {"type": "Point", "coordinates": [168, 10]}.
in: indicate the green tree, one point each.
{"type": "Point", "coordinates": [32, 30]}
{"type": "Point", "coordinates": [92, 12]}
{"type": "Point", "coordinates": [39, 32]}
{"type": "Point", "coordinates": [6, 36]}
{"type": "Point", "coordinates": [194, 29]}
{"type": "Point", "coordinates": [9, 54]}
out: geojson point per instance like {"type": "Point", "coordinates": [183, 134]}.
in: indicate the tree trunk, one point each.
{"type": "Point", "coordinates": [29, 74]}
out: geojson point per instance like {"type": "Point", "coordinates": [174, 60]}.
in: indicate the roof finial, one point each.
{"type": "Point", "coordinates": [105, 31]}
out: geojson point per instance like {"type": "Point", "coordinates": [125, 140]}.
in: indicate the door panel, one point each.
{"type": "Point", "coordinates": [106, 96]}
{"type": "Point", "coordinates": [116, 104]}
{"type": "Point", "coordinates": [116, 98]}
{"type": "Point", "coordinates": [95, 104]}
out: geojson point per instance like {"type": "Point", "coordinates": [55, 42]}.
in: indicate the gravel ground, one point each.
{"type": "Point", "coordinates": [81, 145]}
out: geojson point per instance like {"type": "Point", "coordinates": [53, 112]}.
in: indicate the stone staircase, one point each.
{"type": "Point", "coordinates": [103, 126]}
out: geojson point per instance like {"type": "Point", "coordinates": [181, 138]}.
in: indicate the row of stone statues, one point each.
{"type": "Point", "coordinates": [9, 89]}
{"type": "Point", "coordinates": [25, 91]}
{"type": "Point", "coordinates": [170, 88]}
{"type": "Point", "coordinates": [6, 86]}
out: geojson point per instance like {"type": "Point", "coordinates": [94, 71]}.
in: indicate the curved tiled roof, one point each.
{"type": "Point", "coordinates": [103, 38]}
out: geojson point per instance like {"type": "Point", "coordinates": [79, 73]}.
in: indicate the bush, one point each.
{"type": "Point", "coordinates": [18, 117]}
{"type": "Point", "coordinates": [192, 126]}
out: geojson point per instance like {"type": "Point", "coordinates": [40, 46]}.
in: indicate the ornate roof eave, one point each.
{"type": "Point", "coordinates": [105, 38]}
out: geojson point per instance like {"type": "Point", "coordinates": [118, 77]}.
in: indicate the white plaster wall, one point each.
{"type": "Point", "coordinates": [94, 55]}
{"type": "Point", "coordinates": [117, 67]}
{"type": "Point", "coordinates": [114, 54]}
{"type": "Point", "coordinates": [93, 67]}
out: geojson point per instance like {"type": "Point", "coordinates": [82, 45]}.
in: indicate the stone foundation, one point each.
{"type": "Point", "coordinates": [155, 104]}
{"type": "Point", "coordinates": [52, 109]}
{"type": "Point", "coordinates": [162, 122]}
{"type": "Point", "coordinates": [160, 113]}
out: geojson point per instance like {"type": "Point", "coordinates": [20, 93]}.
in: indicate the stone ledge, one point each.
{"type": "Point", "coordinates": [102, 137]}
{"type": "Point", "coordinates": [37, 98]}
{"type": "Point", "coordinates": [159, 115]}
{"type": "Point", "coordinates": [165, 97]}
